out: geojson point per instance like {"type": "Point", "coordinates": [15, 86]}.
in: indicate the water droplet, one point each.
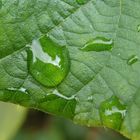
{"type": "Point", "coordinates": [81, 1]}
{"type": "Point", "coordinates": [133, 59]}
{"type": "Point", "coordinates": [21, 89]}
{"type": "Point", "coordinates": [112, 112]}
{"type": "Point", "coordinates": [48, 62]}
{"type": "Point", "coordinates": [138, 28]}
{"type": "Point", "coordinates": [98, 44]}
{"type": "Point", "coordinates": [90, 98]}
{"type": "Point", "coordinates": [57, 93]}
{"type": "Point", "coordinates": [115, 110]}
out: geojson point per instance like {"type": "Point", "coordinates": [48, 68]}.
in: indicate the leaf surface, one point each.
{"type": "Point", "coordinates": [102, 87]}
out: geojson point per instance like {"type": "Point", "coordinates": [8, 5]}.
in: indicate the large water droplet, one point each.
{"type": "Point", "coordinates": [81, 1]}
{"type": "Point", "coordinates": [48, 62]}
{"type": "Point", "coordinates": [112, 112]}
{"type": "Point", "coordinates": [98, 44]}
{"type": "Point", "coordinates": [133, 59]}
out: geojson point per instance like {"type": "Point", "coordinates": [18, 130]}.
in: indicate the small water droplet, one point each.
{"type": "Point", "coordinates": [21, 89]}
{"type": "Point", "coordinates": [57, 93]}
{"type": "Point", "coordinates": [98, 44]}
{"type": "Point", "coordinates": [90, 98]}
{"type": "Point", "coordinates": [81, 1]}
{"type": "Point", "coordinates": [48, 62]}
{"type": "Point", "coordinates": [133, 59]}
{"type": "Point", "coordinates": [112, 112]}
{"type": "Point", "coordinates": [138, 28]}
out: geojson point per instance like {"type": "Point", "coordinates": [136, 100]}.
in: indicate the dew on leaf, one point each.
{"type": "Point", "coordinates": [90, 98]}
{"type": "Point", "coordinates": [21, 89]}
{"type": "Point", "coordinates": [133, 59]}
{"type": "Point", "coordinates": [48, 61]}
{"type": "Point", "coordinates": [98, 44]}
{"type": "Point", "coordinates": [58, 103]}
{"type": "Point", "coordinates": [115, 110]}
{"type": "Point", "coordinates": [112, 112]}
{"type": "Point", "coordinates": [138, 28]}
{"type": "Point", "coordinates": [58, 94]}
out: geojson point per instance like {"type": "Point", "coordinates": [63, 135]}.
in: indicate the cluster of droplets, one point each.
{"type": "Point", "coordinates": [99, 44]}
{"type": "Point", "coordinates": [133, 58]}
{"type": "Point", "coordinates": [49, 62]}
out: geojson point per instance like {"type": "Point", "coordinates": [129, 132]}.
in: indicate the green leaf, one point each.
{"type": "Point", "coordinates": [102, 85]}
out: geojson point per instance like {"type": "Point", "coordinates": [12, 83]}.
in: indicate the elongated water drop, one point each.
{"type": "Point", "coordinates": [58, 94]}
{"type": "Point", "coordinates": [98, 44]}
{"type": "Point", "coordinates": [133, 59]}
{"type": "Point", "coordinates": [64, 105]}
{"type": "Point", "coordinates": [21, 89]}
{"type": "Point", "coordinates": [112, 112]}
{"type": "Point", "coordinates": [138, 28]}
{"type": "Point", "coordinates": [48, 62]}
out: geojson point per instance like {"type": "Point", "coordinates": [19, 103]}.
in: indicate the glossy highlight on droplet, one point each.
{"type": "Point", "coordinates": [133, 59]}
{"type": "Point", "coordinates": [112, 112]}
{"type": "Point", "coordinates": [48, 62]}
{"type": "Point", "coordinates": [21, 89]}
{"type": "Point", "coordinates": [98, 44]}
{"type": "Point", "coordinates": [58, 94]}
{"type": "Point", "coordinates": [90, 98]}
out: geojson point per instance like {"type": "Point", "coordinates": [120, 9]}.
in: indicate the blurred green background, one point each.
{"type": "Point", "coordinates": [18, 123]}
